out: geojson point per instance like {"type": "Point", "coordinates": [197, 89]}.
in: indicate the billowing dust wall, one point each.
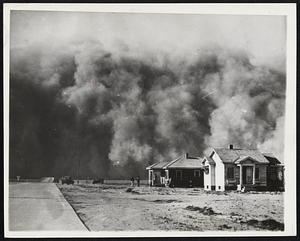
{"type": "Point", "coordinates": [83, 108]}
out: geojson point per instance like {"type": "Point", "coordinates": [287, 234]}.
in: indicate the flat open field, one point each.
{"type": "Point", "coordinates": [119, 207]}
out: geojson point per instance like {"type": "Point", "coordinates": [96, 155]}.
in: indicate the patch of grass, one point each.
{"type": "Point", "coordinates": [166, 201]}
{"type": "Point", "coordinates": [158, 200]}
{"type": "Point", "coordinates": [269, 224]}
{"type": "Point", "coordinates": [217, 193]}
{"type": "Point", "coordinates": [224, 226]}
{"type": "Point", "coordinates": [129, 189]}
{"type": "Point", "coordinates": [205, 210]}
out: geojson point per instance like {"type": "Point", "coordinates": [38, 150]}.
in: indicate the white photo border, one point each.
{"type": "Point", "coordinates": [288, 10]}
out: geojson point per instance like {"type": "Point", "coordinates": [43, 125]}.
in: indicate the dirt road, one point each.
{"type": "Point", "coordinates": [117, 207]}
{"type": "Point", "coordinates": [40, 206]}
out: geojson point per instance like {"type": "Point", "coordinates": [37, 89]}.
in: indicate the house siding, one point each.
{"type": "Point", "coordinates": [237, 174]}
{"type": "Point", "coordinates": [262, 180]}
{"type": "Point", "coordinates": [275, 177]}
{"type": "Point", "coordinates": [207, 179]}
{"type": "Point", "coordinates": [219, 173]}
{"type": "Point", "coordinates": [213, 176]}
{"type": "Point", "coordinates": [234, 181]}
{"type": "Point", "coordinates": [187, 178]}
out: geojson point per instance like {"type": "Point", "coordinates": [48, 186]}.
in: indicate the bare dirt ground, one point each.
{"type": "Point", "coordinates": [119, 207]}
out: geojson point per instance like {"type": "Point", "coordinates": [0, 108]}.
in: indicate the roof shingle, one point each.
{"type": "Point", "coordinates": [158, 165]}
{"type": "Point", "coordinates": [182, 162]}
{"type": "Point", "coordinates": [186, 163]}
{"type": "Point", "coordinates": [231, 155]}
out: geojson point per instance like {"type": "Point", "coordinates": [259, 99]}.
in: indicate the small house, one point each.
{"type": "Point", "coordinates": [184, 171]}
{"type": "Point", "coordinates": [233, 168]}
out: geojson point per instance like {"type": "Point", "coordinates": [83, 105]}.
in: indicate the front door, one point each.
{"type": "Point", "coordinates": [247, 175]}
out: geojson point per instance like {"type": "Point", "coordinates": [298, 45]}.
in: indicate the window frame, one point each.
{"type": "Point", "coordinates": [177, 176]}
{"type": "Point", "coordinates": [230, 177]}
{"type": "Point", "coordinates": [197, 171]}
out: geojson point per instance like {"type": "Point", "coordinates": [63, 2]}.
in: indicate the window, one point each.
{"type": "Point", "coordinates": [256, 173]}
{"type": "Point", "coordinates": [230, 172]}
{"type": "Point", "coordinates": [178, 174]}
{"type": "Point", "coordinates": [197, 173]}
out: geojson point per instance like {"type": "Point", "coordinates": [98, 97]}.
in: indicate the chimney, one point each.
{"type": "Point", "coordinates": [230, 146]}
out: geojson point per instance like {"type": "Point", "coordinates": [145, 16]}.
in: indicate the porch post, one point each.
{"type": "Point", "coordinates": [253, 179]}
{"type": "Point", "coordinates": [167, 178]}
{"type": "Point", "coordinates": [241, 173]}
{"type": "Point", "coordinates": [149, 177]}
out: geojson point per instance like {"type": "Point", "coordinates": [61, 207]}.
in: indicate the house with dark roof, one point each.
{"type": "Point", "coordinates": [233, 168]}
{"type": "Point", "coordinates": [184, 171]}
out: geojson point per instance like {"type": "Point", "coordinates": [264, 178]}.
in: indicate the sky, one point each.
{"type": "Point", "coordinates": [264, 37]}
{"type": "Point", "coordinates": [110, 93]}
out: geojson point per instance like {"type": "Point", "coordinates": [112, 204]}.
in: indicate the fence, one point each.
{"type": "Point", "coordinates": [111, 182]}
{"type": "Point", "coordinates": [82, 181]}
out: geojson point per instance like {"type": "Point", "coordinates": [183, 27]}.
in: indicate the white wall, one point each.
{"type": "Point", "coordinates": [219, 173]}
{"type": "Point", "coordinates": [213, 175]}
{"type": "Point", "coordinates": [207, 178]}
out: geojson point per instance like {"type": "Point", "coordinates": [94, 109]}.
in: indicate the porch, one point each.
{"type": "Point", "coordinates": [176, 177]}
{"type": "Point", "coordinates": [248, 176]}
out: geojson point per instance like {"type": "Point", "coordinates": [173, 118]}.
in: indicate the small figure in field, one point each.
{"type": "Point", "coordinates": [138, 181]}
{"type": "Point", "coordinates": [132, 181]}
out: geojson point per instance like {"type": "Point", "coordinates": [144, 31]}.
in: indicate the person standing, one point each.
{"type": "Point", "coordinates": [132, 181]}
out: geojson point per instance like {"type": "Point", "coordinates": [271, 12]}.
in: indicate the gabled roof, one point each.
{"type": "Point", "coordinates": [149, 167]}
{"type": "Point", "coordinates": [160, 165]}
{"type": "Point", "coordinates": [157, 165]}
{"type": "Point", "coordinates": [244, 158]}
{"type": "Point", "coordinates": [272, 159]}
{"type": "Point", "coordinates": [171, 162]}
{"type": "Point", "coordinates": [182, 162]}
{"type": "Point", "coordinates": [209, 159]}
{"type": "Point", "coordinates": [185, 162]}
{"type": "Point", "coordinates": [231, 155]}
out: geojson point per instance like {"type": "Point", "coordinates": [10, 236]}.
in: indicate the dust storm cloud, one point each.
{"type": "Point", "coordinates": [97, 107]}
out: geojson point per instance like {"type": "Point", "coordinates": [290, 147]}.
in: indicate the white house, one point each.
{"type": "Point", "coordinates": [232, 168]}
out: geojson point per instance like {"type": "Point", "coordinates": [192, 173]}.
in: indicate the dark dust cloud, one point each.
{"type": "Point", "coordinates": [90, 112]}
